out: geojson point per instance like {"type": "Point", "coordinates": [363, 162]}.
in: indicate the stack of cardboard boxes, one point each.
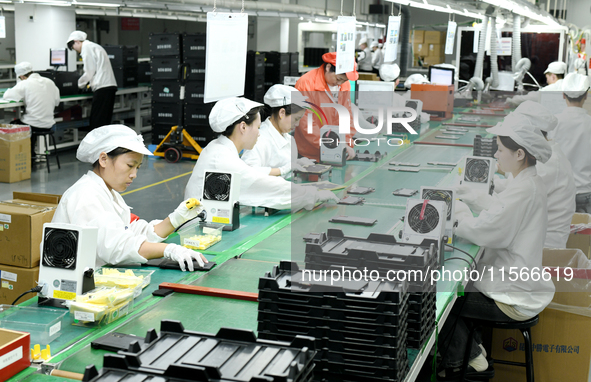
{"type": "Point", "coordinates": [21, 231]}
{"type": "Point", "coordinates": [428, 47]}
{"type": "Point", "coordinates": [15, 153]}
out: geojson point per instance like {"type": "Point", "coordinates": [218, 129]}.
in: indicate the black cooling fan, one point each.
{"type": "Point", "coordinates": [59, 248]}
{"type": "Point", "coordinates": [442, 195]}
{"type": "Point", "coordinates": [217, 186]}
{"type": "Point", "coordinates": [335, 139]}
{"type": "Point", "coordinates": [429, 221]}
{"type": "Point", "coordinates": [476, 170]}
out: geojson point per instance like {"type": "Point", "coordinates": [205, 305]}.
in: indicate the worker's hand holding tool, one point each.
{"type": "Point", "coordinates": [303, 161]}
{"type": "Point", "coordinates": [187, 210]}
{"type": "Point", "coordinates": [325, 196]}
{"type": "Point", "coordinates": [184, 255]}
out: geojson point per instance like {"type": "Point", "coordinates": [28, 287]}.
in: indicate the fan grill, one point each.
{"type": "Point", "coordinates": [330, 135]}
{"type": "Point", "coordinates": [428, 223]}
{"type": "Point", "coordinates": [442, 195]}
{"type": "Point", "coordinates": [60, 248]}
{"type": "Point", "coordinates": [477, 170]}
{"type": "Point", "coordinates": [217, 186]}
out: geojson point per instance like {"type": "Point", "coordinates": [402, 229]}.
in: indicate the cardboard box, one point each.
{"type": "Point", "coordinates": [436, 50]}
{"type": "Point", "coordinates": [368, 76]}
{"type": "Point", "coordinates": [433, 60]}
{"type": "Point", "coordinates": [15, 153]}
{"type": "Point", "coordinates": [420, 49]}
{"type": "Point", "coordinates": [14, 352]}
{"type": "Point", "coordinates": [562, 339]}
{"type": "Point", "coordinates": [582, 239]}
{"type": "Point", "coordinates": [434, 37]}
{"type": "Point", "coordinates": [21, 227]}
{"type": "Point", "coordinates": [14, 281]}
{"type": "Point", "coordinates": [417, 37]}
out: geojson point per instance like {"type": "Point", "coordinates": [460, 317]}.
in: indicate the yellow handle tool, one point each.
{"type": "Point", "coordinates": [192, 203]}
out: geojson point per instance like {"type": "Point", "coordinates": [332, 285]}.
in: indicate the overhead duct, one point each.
{"type": "Point", "coordinates": [404, 38]}
{"type": "Point", "coordinates": [494, 65]}
{"type": "Point", "coordinates": [516, 41]}
{"type": "Point", "coordinates": [481, 47]}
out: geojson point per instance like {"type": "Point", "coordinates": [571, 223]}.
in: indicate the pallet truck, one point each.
{"type": "Point", "coordinates": [178, 143]}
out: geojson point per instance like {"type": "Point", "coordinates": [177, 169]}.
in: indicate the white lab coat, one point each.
{"type": "Point", "coordinates": [512, 231]}
{"type": "Point", "coordinates": [40, 96]}
{"type": "Point", "coordinates": [555, 87]}
{"type": "Point", "coordinates": [377, 59]}
{"type": "Point", "coordinates": [256, 188]}
{"type": "Point", "coordinates": [97, 67]}
{"type": "Point", "coordinates": [573, 135]}
{"type": "Point", "coordinates": [364, 62]}
{"type": "Point", "coordinates": [90, 203]}
{"type": "Point", "coordinates": [535, 95]}
{"type": "Point", "coordinates": [272, 150]}
{"type": "Point", "coordinates": [560, 186]}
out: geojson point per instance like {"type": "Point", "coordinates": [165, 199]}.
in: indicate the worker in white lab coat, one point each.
{"type": "Point", "coordinates": [98, 74]}
{"type": "Point", "coordinates": [377, 58]}
{"type": "Point", "coordinates": [364, 57]}
{"type": "Point", "coordinates": [276, 151]}
{"type": "Point", "coordinates": [116, 153]}
{"type": "Point", "coordinates": [554, 76]}
{"type": "Point", "coordinates": [573, 134]}
{"type": "Point", "coordinates": [512, 231]}
{"type": "Point", "coordinates": [39, 94]}
{"type": "Point", "coordinates": [238, 121]}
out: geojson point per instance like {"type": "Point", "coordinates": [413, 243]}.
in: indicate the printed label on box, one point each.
{"type": "Point", "coordinates": [8, 276]}
{"type": "Point", "coordinates": [68, 286]}
{"type": "Point", "coordinates": [6, 285]}
{"type": "Point", "coordinates": [192, 242]}
{"type": "Point", "coordinates": [84, 316]}
{"type": "Point", "coordinates": [64, 295]}
{"type": "Point", "coordinates": [11, 357]}
{"type": "Point", "coordinates": [5, 218]}
{"type": "Point", "coordinates": [55, 328]}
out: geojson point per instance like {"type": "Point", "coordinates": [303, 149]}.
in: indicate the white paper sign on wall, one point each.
{"type": "Point", "coordinates": [451, 37]}
{"type": "Point", "coordinates": [2, 27]}
{"type": "Point", "coordinates": [392, 39]}
{"type": "Point", "coordinates": [346, 29]}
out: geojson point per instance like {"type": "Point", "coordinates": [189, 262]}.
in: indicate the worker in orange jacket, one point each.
{"type": "Point", "coordinates": [323, 85]}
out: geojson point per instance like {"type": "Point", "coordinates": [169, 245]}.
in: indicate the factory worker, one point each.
{"type": "Point", "coordinates": [99, 74]}
{"type": "Point", "coordinates": [390, 72]}
{"type": "Point", "coordinates": [116, 153]}
{"type": "Point", "coordinates": [512, 232]}
{"type": "Point", "coordinates": [323, 85]}
{"type": "Point", "coordinates": [573, 134]}
{"type": "Point", "coordinates": [377, 58]}
{"type": "Point", "coordinates": [276, 150]}
{"type": "Point", "coordinates": [39, 94]}
{"type": "Point", "coordinates": [554, 76]}
{"type": "Point", "coordinates": [238, 122]}
{"type": "Point", "coordinates": [364, 57]}
{"type": "Point", "coordinates": [556, 174]}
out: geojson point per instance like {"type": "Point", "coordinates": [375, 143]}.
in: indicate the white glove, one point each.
{"type": "Point", "coordinates": [325, 196]}
{"type": "Point", "coordinates": [181, 255]}
{"type": "Point", "coordinates": [303, 161]}
{"type": "Point", "coordinates": [462, 211]}
{"type": "Point", "coordinates": [476, 200]}
{"type": "Point", "coordinates": [285, 169]}
{"type": "Point", "coordinates": [183, 214]}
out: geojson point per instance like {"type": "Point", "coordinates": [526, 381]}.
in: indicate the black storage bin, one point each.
{"type": "Point", "coordinates": [144, 72]}
{"type": "Point", "coordinates": [293, 64]}
{"type": "Point", "coordinates": [165, 67]}
{"type": "Point", "coordinates": [166, 90]}
{"type": "Point", "coordinates": [196, 68]}
{"type": "Point", "coordinates": [126, 77]}
{"type": "Point", "coordinates": [47, 74]}
{"type": "Point", "coordinates": [165, 44]}
{"type": "Point", "coordinates": [67, 82]}
{"type": "Point", "coordinates": [194, 45]}
{"type": "Point", "coordinates": [122, 56]}
{"type": "Point", "coordinates": [166, 113]}
{"type": "Point", "coordinates": [313, 56]}
{"type": "Point", "coordinates": [255, 63]}
{"type": "Point", "coordinates": [197, 114]}
{"type": "Point", "coordinates": [194, 91]}
{"type": "Point", "coordinates": [277, 62]}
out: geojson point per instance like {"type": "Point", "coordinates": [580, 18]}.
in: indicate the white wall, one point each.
{"type": "Point", "coordinates": [49, 28]}
{"type": "Point", "coordinates": [267, 34]}
{"type": "Point", "coordinates": [7, 42]}
{"type": "Point", "coordinates": [578, 12]}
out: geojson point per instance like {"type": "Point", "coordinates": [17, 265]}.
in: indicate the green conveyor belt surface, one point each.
{"type": "Point", "coordinates": [236, 274]}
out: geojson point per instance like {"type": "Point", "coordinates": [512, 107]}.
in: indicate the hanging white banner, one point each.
{"type": "Point", "coordinates": [225, 55]}
{"type": "Point", "coordinates": [2, 27]}
{"type": "Point", "coordinates": [346, 30]}
{"type": "Point", "coordinates": [451, 37]}
{"type": "Point", "coordinates": [392, 39]}
{"type": "Point", "coordinates": [476, 39]}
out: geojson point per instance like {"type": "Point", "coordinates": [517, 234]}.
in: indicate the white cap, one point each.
{"type": "Point", "coordinates": [281, 95]}
{"type": "Point", "coordinates": [229, 110]}
{"type": "Point", "coordinates": [556, 67]}
{"type": "Point", "coordinates": [362, 41]}
{"type": "Point", "coordinates": [416, 78]}
{"type": "Point", "coordinates": [373, 44]}
{"type": "Point", "coordinates": [23, 68]}
{"type": "Point", "coordinates": [539, 117]}
{"type": "Point", "coordinates": [108, 138]}
{"type": "Point", "coordinates": [77, 36]}
{"type": "Point", "coordinates": [575, 85]}
{"type": "Point", "coordinates": [389, 72]}
{"type": "Point", "coordinates": [518, 127]}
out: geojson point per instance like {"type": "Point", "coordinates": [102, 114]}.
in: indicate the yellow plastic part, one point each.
{"type": "Point", "coordinates": [46, 353]}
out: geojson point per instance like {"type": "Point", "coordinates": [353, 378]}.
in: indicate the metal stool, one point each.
{"type": "Point", "coordinates": [45, 133]}
{"type": "Point", "coordinates": [523, 326]}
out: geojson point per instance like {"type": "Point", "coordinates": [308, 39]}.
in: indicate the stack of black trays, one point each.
{"type": "Point", "coordinates": [313, 56]}
{"type": "Point", "coordinates": [359, 327]}
{"type": "Point", "coordinates": [294, 70]}
{"type": "Point", "coordinates": [254, 84]}
{"type": "Point", "coordinates": [144, 72]}
{"type": "Point", "coordinates": [276, 68]}
{"type": "Point", "coordinates": [230, 355]}
{"type": "Point", "coordinates": [484, 147]}
{"type": "Point", "coordinates": [66, 82]}
{"type": "Point", "coordinates": [382, 253]}
{"type": "Point", "coordinates": [124, 63]}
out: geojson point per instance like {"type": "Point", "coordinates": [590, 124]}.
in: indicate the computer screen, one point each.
{"type": "Point", "coordinates": [58, 57]}
{"type": "Point", "coordinates": [375, 94]}
{"type": "Point", "coordinates": [441, 76]}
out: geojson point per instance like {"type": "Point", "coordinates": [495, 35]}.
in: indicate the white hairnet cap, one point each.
{"type": "Point", "coordinates": [229, 110]}
{"type": "Point", "coordinates": [23, 68]}
{"type": "Point", "coordinates": [518, 127]}
{"type": "Point", "coordinates": [77, 35]}
{"type": "Point", "coordinates": [363, 41]}
{"type": "Point", "coordinates": [373, 44]}
{"type": "Point", "coordinates": [389, 72]}
{"type": "Point", "coordinates": [538, 116]}
{"type": "Point", "coordinates": [416, 78]}
{"type": "Point", "coordinates": [556, 67]}
{"type": "Point", "coordinates": [281, 95]}
{"type": "Point", "coordinates": [108, 138]}
{"type": "Point", "coordinates": [575, 85]}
